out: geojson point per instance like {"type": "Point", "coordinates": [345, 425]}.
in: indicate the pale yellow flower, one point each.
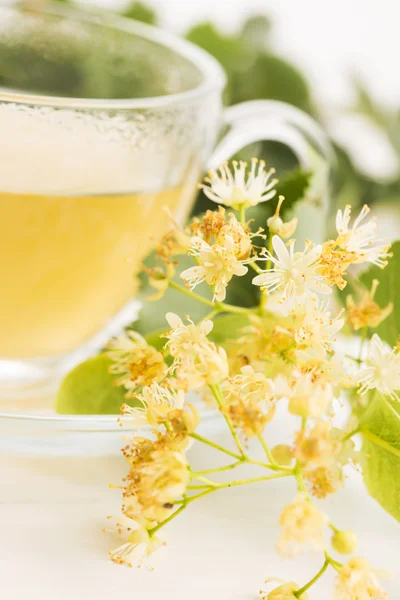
{"type": "Point", "coordinates": [362, 238]}
{"type": "Point", "coordinates": [302, 525]}
{"type": "Point", "coordinates": [135, 551]}
{"type": "Point", "coordinates": [135, 361]}
{"type": "Point", "coordinates": [240, 188]}
{"type": "Point", "coordinates": [156, 402]}
{"type": "Point", "coordinates": [358, 581]}
{"type": "Point", "coordinates": [314, 326]}
{"type": "Point", "coordinates": [197, 360]}
{"type": "Point", "coordinates": [217, 265]}
{"type": "Point", "coordinates": [317, 446]}
{"type": "Point", "coordinates": [381, 369]}
{"type": "Point", "coordinates": [366, 312]}
{"type": "Point", "coordinates": [249, 385]}
{"type": "Point", "coordinates": [294, 273]}
{"type": "Point", "coordinates": [307, 397]}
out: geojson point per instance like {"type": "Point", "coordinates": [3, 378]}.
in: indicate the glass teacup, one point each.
{"type": "Point", "coordinates": [106, 124]}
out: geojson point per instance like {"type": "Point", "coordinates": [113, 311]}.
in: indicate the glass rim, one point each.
{"type": "Point", "coordinates": [213, 75]}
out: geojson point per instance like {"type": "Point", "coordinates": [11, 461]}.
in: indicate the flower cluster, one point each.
{"type": "Point", "coordinates": [281, 351]}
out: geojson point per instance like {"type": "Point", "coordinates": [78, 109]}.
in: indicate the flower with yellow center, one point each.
{"type": "Point", "coordinates": [248, 398]}
{"type": "Point", "coordinates": [315, 328]}
{"type": "Point", "coordinates": [316, 446]}
{"type": "Point", "coordinates": [358, 581]}
{"type": "Point", "coordinates": [302, 525]}
{"type": "Point", "coordinates": [237, 232]}
{"type": "Point", "coordinates": [156, 402]}
{"type": "Point", "coordinates": [307, 397]}
{"type": "Point", "coordinates": [366, 312]}
{"type": "Point", "coordinates": [136, 362]}
{"type": "Point", "coordinates": [240, 188]}
{"type": "Point", "coordinates": [294, 273]}
{"type": "Point", "coordinates": [381, 370]}
{"type": "Point", "coordinates": [284, 592]}
{"type": "Point", "coordinates": [217, 265]}
{"type": "Point", "coordinates": [197, 360]}
{"type": "Point", "coordinates": [362, 238]}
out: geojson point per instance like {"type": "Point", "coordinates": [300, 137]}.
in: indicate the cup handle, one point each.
{"type": "Point", "coordinates": [270, 120]}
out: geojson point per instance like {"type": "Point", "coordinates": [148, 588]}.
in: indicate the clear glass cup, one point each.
{"type": "Point", "coordinates": [105, 124]}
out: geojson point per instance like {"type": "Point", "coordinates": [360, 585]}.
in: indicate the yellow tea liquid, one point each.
{"type": "Point", "coordinates": [68, 264]}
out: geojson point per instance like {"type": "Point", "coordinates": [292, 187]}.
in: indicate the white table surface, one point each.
{"type": "Point", "coordinates": [220, 548]}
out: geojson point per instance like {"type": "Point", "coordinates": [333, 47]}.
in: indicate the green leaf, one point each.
{"type": "Point", "coordinates": [381, 450]}
{"type": "Point", "coordinates": [141, 12]}
{"type": "Point", "coordinates": [89, 389]}
{"type": "Point", "coordinates": [389, 285]}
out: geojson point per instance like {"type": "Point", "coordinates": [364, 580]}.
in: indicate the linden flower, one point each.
{"type": "Point", "coordinates": [294, 273]}
{"type": "Point", "coordinates": [234, 190]}
{"type": "Point", "coordinates": [284, 592]}
{"type": "Point", "coordinates": [217, 265]}
{"type": "Point", "coordinates": [307, 397]}
{"type": "Point", "coordinates": [361, 239]}
{"type": "Point", "coordinates": [302, 524]}
{"type": "Point", "coordinates": [381, 370]}
{"type": "Point", "coordinates": [137, 362]}
{"type": "Point", "coordinates": [197, 360]}
{"type": "Point", "coordinates": [358, 581]}
{"type": "Point", "coordinates": [317, 446]}
{"type": "Point", "coordinates": [136, 549]}
{"type": "Point", "coordinates": [249, 401]}
{"type": "Point", "coordinates": [249, 385]}
{"type": "Point", "coordinates": [157, 402]}
{"type": "Point", "coordinates": [366, 312]}
{"type": "Point", "coordinates": [317, 327]}
{"type": "Point", "coordinates": [186, 340]}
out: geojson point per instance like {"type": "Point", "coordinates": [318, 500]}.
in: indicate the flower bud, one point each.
{"type": "Point", "coordinates": [285, 592]}
{"type": "Point", "coordinates": [344, 542]}
{"type": "Point", "coordinates": [282, 454]}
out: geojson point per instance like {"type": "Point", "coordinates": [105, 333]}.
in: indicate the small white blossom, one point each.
{"type": "Point", "coordinates": [294, 273]}
{"type": "Point", "coordinates": [235, 190]}
{"type": "Point", "coordinates": [249, 386]}
{"type": "Point", "coordinates": [185, 340]}
{"type": "Point", "coordinates": [381, 370]}
{"type": "Point", "coordinates": [362, 238]}
{"type": "Point", "coordinates": [358, 581]}
{"type": "Point", "coordinates": [217, 265]}
{"type": "Point", "coordinates": [135, 551]}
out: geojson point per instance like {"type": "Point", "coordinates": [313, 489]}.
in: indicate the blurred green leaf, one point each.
{"type": "Point", "coordinates": [140, 11]}
{"type": "Point", "coordinates": [89, 389]}
{"type": "Point", "coordinates": [380, 427]}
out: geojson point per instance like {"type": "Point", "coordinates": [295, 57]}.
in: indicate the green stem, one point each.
{"type": "Point", "coordinates": [334, 529]}
{"type": "Point", "coordinates": [301, 591]}
{"type": "Point", "coordinates": [216, 390]}
{"type": "Point", "coordinates": [204, 440]}
{"type": "Point", "coordinates": [237, 482]}
{"type": "Point", "coordinates": [210, 315]}
{"type": "Point", "coordinates": [217, 306]}
{"type": "Point", "coordinates": [334, 563]}
{"type": "Point", "coordinates": [242, 213]}
{"type": "Point", "coordinates": [350, 435]}
{"type": "Point", "coordinates": [270, 249]}
{"type": "Point", "coordinates": [152, 531]}
{"type": "Point", "coordinates": [218, 469]}
{"type": "Point", "coordinates": [191, 294]}
{"type": "Point", "coordinates": [267, 450]}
